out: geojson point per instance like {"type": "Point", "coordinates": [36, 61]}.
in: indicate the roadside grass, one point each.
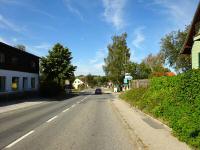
{"type": "Point", "coordinates": [174, 100]}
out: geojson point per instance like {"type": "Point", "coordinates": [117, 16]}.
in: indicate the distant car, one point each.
{"type": "Point", "coordinates": [98, 91]}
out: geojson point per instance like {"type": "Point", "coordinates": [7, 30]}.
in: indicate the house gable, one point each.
{"type": "Point", "coordinates": [193, 32]}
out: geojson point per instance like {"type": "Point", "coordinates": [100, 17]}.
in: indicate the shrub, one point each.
{"type": "Point", "coordinates": [50, 89]}
{"type": "Point", "coordinates": [175, 100]}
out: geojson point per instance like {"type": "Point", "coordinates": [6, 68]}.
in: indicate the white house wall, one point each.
{"type": "Point", "coordinates": [9, 74]}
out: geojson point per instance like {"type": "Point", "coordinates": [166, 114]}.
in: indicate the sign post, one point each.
{"type": "Point", "coordinates": [127, 78]}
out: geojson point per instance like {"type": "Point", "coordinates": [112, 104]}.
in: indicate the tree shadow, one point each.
{"type": "Point", "coordinates": [16, 98]}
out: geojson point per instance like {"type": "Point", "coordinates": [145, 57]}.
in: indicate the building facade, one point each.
{"type": "Point", "coordinates": [192, 42]}
{"type": "Point", "coordinates": [19, 70]}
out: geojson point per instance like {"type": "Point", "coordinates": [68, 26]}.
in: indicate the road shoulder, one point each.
{"type": "Point", "coordinates": [153, 134]}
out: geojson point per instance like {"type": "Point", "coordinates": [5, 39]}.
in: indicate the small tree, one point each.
{"type": "Point", "coordinates": [57, 65]}
{"type": "Point", "coordinates": [21, 47]}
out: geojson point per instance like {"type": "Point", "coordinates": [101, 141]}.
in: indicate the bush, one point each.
{"type": "Point", "coordinates": [176, 100]}
{"type": "Point", "coordinates": [50, 89]}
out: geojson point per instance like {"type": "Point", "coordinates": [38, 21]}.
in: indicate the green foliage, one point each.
{"type": "Point", "coordinates": [117, 59]}
{"type": "Point", "coordinates": [139, 71]}
{"type": "Point", "coordinates": [176, 100]}
{"type": "Point", "coordinates": [101, 80]}
{"type": "Point", "coordinates": [155, 63]}
{"type": "Point", "coordinates": [57, 65]}
{"type": "Point", "coordinates": [21, 47]}
{"type": "Point", "coordinates": [171, 46]}
{"type": "Point", "coordinates": [90, 80]}
{"type": "Point", "coordinates": [50, 89]}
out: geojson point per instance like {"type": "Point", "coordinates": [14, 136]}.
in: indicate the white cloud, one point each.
{"type": "Point", "coordinates": [179, 11]}
{"type": "Point", "coordinates": [100, 55]}
{"type": "Point", "coordinates": [138, 37]}
{"type": "Point", "coordinates": [95, 65]}
{"type": "Point", "coordinates": [28, 6]}
{"type": "Point", "coordinates": [72, 9]}
{"type": "Point", "coordinates": [84, 69]}
{"type": "Point", "coordinates": [4, 23]}
{"type": "Point", "coordinates": [114, 11]}
{"type": "Point", "coordinates": [44, 46]}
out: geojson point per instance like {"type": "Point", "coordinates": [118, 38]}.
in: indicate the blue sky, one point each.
{"type": "Point", "coordinates": [86, 26]}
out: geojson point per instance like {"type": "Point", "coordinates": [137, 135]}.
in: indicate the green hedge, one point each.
{"type": "Point", "coordinates": [176, 100]}
{"type": "Point", "coordinates": [50, 89]}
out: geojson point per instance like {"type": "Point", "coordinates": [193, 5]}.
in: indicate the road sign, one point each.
{"type": "Point", "coordinates": [125, 81]}
{"type": "Point", "coordinates": [128, 77]}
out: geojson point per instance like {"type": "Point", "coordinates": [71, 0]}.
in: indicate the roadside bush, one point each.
{"type": "Point", "coordinates": [175, 100]}
{"type": "Point", "coordinates": [50, 89]}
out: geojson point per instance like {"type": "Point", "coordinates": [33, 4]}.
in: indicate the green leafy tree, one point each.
{"type": "Point", "coordinates": [132, 68]}
{"type": "Point", "coordinates": [21, 47]}
{"type": "Point", "coordinates": [102, 80]}
{"type": "Point", "coordinates": [90, 79]}
{"type": "Point", "coordinates": [155, 62]}
{"type": "Point", "coordinates": [116, 63]}
{"type": "Point", "coordinates": [171, 46]}
{"type": "Point", "coordinates": [57, 65]}
{"type": "Point", "coordinates": [139, 71]}
{"type": "Point", "coordinates": [143, 71]}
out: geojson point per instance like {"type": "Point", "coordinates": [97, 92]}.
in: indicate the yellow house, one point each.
{"type": "Point", "coordinates": [77, 83]}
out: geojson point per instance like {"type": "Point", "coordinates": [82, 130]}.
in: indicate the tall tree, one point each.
{"type": "Point", "coordinates": [171, 46]}
{"type": "Point", "coordinates": [155, 62]}
{"type": "Point", "coordinates": [116, 63]}
{"type": "Point", "coordinates": [57, 65]}
{"type": "Point", "coordinates": [21, 47]}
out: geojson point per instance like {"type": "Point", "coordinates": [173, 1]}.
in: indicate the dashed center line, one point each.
{"type": "Point", "coordinates": [73, 105]}
{"type": "Point", "coordinates": [29, 133]}
{"type": "Point", "coordinates": [66, 110]}
{"type": "Point", "coordinates": [52, 119]}
{"type": "Point", "coordinates": [18, 140]}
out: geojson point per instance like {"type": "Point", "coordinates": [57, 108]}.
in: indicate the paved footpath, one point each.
{"type": "Point", "coordinates": [151, 132]}
{"type": "Point", "coordinates": [8, 108]}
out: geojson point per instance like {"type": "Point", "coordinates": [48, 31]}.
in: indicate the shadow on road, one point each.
{"type": "Point", "coordinates": [5, 101]}
{"type": "Point", "coordinates": [13, 99]}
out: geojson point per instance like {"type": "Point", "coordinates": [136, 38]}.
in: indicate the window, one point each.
{"type": "Point", "coordinates": [32, 83]}
{"type": "Point", "coordinates": [25, 83]}
{"type": "Point", "coordinates": [2, 58]}
{"type": "Point", "coordinates": [15, 83]}
{"type": "Point", "coordinates": [2, 83]}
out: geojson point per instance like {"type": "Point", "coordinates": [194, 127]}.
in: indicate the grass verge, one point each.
{"type": "Point", "coordinates": [175, 100]}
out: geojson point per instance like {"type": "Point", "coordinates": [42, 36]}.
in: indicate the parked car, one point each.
{"type": "Point", "coordinates": [98, 91]}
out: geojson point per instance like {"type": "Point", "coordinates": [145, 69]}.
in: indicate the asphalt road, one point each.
{"type": "Point", "coordinates": [85, 122]}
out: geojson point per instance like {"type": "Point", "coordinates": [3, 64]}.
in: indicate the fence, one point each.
{"type": "Point", "coordinates": [139, 83]}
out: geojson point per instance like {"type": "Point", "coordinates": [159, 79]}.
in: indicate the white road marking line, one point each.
{"type": "Point", "coordinates": [85, 98]}
{"type": "Point", "coordinates": [52, 119]}
{"type": "Point", "coordinates": [66, 110]}
{"type": "Point", "coordinates": [73, 105]}
{"type": "Point", "coordinates": [18, 140]}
